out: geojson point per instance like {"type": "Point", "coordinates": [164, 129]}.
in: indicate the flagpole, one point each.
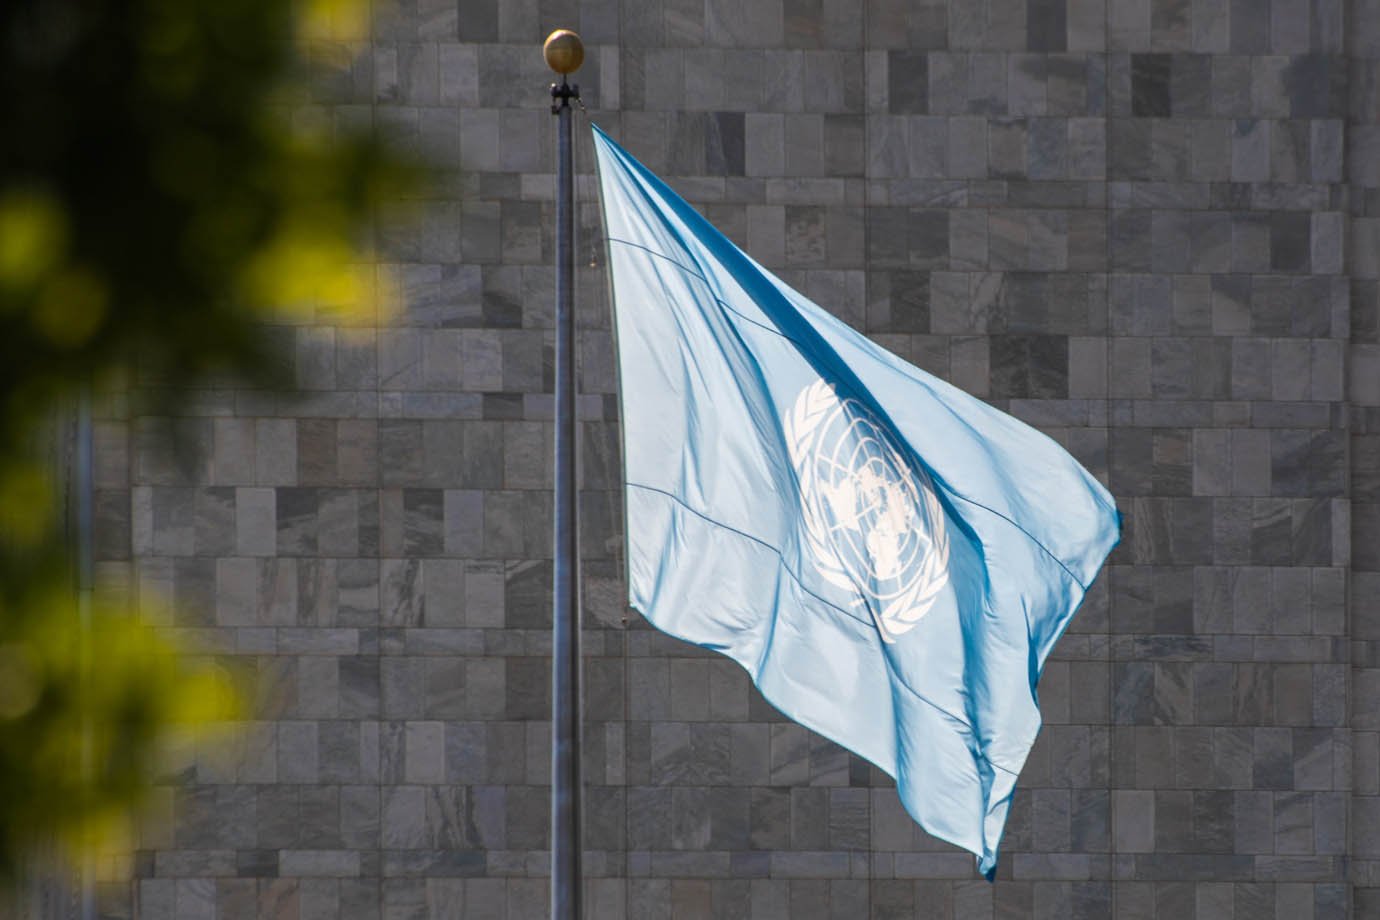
{"type": "Point", "coordinates": [564, 53]}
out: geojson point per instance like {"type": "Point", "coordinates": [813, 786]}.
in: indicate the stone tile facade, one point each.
{"type": "Point", "coordinates": [1149, 227]}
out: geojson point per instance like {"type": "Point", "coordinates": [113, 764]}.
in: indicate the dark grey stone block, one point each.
{"type": "Point", "coordinates": [1150, 85]}
{"type": "Point", "coordinates": [1250, 31]}
{"type": "Point", "coordinates": [805, 236]}
{"type": "Point", "coordinates": [194, 592]}
{"type": "Point", "coordinates": [844, 145]}
{"type": "Point", "coordinates": [423, 530]}
{"type": "Point", "coordinates": [1006, 149]}
{"type": "Point", "coordinates": [1316, 86]}
{"type": "Point", "coordinates": [886, 240]}
{"type": "Point", "coordinates": [908, 82]}
{"type": "Point", "coordinates": [400, 452]}
{"type": "Point", "coordinates": [724, 150]}
{"type": "Point", "coordinates": [213, 520]}
{"type": "Point", "coordinates": [1271, 530]}
{"type": "Point", "coordinates": [478, 21]}
{"type": "Point", "coordinates": [1290, 242]}
{"type": "Point", "coordinates": [1030, 366]}
{"type": "Point", "coordinates": [927, 234]}
{"type": "Point", "coordinates": [907, 302]}
{"type": "Point", "coordinates": [1308, 463]}
{"type": "Point", "coordinates": [256, 863]}
{"type": "Point", "coordinates": [1046, 25]}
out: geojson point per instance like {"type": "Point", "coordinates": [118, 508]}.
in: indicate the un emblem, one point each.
{"type": "Point", "coordinates": [872, 522]}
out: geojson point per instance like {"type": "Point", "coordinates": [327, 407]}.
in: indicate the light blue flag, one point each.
{"type": "Point", "coordinates": [890, 558]}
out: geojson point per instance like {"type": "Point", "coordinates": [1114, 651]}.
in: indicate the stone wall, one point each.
{"type": "Point", "coordinates": [1363, 394]}
{"type": "Point", "coordinates": [1124, 221]}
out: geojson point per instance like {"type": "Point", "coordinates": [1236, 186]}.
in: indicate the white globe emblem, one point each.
{"type": "Point", "coordinates": [871, 520]}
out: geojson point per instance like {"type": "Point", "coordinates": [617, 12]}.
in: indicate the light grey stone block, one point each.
{"type": "Point", "coordinates": [255, 522]}
{"type": "Point", "coordinates": [968, 147]}
{"type": "Point", "coordinates": [765, 144]}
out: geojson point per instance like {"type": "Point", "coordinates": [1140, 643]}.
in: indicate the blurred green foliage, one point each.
{"type": "Point", "coordinates": [165, 190]}
{"type": "Point", "coordinates": [87, 713]}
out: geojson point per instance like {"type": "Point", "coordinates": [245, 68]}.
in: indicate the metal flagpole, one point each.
{"type": "Point", "coordinates": [564, 53]}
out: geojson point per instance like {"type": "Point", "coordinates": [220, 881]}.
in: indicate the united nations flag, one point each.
{"type": "Point", "coordinates": [891, 559]}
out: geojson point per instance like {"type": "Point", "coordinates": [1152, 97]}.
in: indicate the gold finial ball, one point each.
{"type": "Point", "coordinates": [564, 52]}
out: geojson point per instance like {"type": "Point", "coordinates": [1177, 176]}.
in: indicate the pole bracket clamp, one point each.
{"type": "Point", "coordinates": [563, 92]}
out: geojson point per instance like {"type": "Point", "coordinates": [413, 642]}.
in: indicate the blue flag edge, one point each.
{"type": "Point", "coordinates": [998, 781]}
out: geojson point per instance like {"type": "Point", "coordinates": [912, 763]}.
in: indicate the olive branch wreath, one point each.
{"type": "Point", "coordinates": [900, 611]}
